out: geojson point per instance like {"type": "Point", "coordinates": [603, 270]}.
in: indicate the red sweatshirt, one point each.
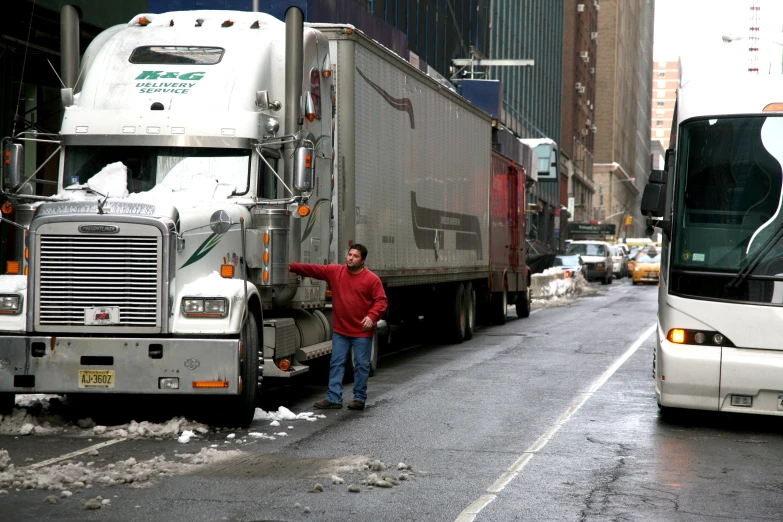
{"type": "Point", "coordinates": [354, 296]}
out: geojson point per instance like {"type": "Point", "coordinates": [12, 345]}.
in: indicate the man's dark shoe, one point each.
{"type": "Point", "coordinates": [328, 405]}
{"type": "Point", "coordinates": [356, 405]}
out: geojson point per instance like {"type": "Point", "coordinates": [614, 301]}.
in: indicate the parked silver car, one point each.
{"type": "Point", "coordinates": [597, 259]}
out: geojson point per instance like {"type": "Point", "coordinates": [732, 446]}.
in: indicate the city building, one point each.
{"type": "Point", "coordinates": [665, 80]}
{"type": "Point", "coordinates": [578, 128]}
{"type": "Point", "coordinates": [529, 29]}
{"type": "Point", "coordinates": [622, 112]}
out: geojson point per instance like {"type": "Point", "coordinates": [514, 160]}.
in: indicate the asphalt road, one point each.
{"type": "Point", "coordinates": [547, 418]}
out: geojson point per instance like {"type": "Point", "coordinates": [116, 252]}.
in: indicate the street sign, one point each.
{"type": "Point", "coordinates": [588, 229]}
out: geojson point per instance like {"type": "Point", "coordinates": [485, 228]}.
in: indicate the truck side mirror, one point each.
{"type": "Point", "coordinates": [304, 161]}
{"type": "Point", "coordinates": [654, 196]}
{"type": "Point", "coordinates": [13, 163]}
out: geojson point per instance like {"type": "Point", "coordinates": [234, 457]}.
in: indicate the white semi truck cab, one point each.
{"type": "Point", "coordinates": [194, 164]}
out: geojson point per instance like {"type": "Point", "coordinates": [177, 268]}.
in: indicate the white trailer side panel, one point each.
{"type": "Point", "coordinates": [414, 186]}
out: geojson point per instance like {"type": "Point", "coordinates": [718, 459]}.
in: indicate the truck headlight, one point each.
{"type": "Point", "coordinates": [205, 307]}
{"type": "Point", "coordinates": [10, 304]}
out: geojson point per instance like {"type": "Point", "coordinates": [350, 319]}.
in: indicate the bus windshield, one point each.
{"type": "Point", "coordinates": [727, 209]}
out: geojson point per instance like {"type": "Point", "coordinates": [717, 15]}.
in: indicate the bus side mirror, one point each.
{"type": "Point", "coordinates": [654, 196]}
{"type": "Point", "coordinates": [13, 165]}
{"type": "Point", "coordinates": [304, 161]}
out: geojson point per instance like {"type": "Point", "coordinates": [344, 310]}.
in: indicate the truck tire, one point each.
{"type": "Point", "coordinates": [456, 314]}
{"type": "Point", "coordinates": [7, 401]}
{"type": "Point", "coordinates": [237, 411]}
{"type": "Point", "coordinates": [500, 305]}
{"type": "Point", "coordinates": [470, 296]}
{"type": "Point", "coordinates": [523, 303]}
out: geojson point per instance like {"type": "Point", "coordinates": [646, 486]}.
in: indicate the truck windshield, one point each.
{"type": "Point", "coordinates": [727, 208]}
{"type": "Point", "coordinates": [176, 167]}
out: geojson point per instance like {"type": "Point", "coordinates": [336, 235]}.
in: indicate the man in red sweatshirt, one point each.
{"type": "Point", "coordinates": [358, 302]}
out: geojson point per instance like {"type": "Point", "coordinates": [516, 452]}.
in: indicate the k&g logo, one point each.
{"type": "Point", "coordinates": [170, 75]}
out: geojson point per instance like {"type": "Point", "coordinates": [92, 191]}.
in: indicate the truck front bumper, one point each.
{"type": "Point", "coordinates": [50, 364]}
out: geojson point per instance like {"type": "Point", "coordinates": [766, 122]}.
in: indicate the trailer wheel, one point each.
{"type": "Point", "coordinates": [7, 401]}
{"type": "Point", "coordinates": [470, 324]}
{"type": "Point", "coordinates": [500, 305]}
{"type": "Point", "coordinates": [456, 313]}
{"type": "Point", "coordinates": [237, 410]}
{"type": "Point", "coordinates": [523, 304]}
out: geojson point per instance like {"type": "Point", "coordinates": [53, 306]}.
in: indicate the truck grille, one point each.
{"type": "Point", "coordinates": [78, 272]}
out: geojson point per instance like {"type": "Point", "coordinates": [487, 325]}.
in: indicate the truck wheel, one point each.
{"type": "Point", "coordinates": [237, 411]}
{"type": "Point", "coordinates": [456, 314]}
{"type": "Point", "coordinates": [7, 401]}
{"type": "Point", "coordinates": [470, 297]}
{"type": "Point", "coordinates": [523, 304]}
{"type": "Point", "coordinates": [500, 305]}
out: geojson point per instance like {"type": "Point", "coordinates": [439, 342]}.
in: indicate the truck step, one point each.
{"type": "Point", "coordinates": [314, 351]}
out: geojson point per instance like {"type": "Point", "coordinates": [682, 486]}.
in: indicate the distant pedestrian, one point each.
{"type": "Point", "coordinates": [358, 302]}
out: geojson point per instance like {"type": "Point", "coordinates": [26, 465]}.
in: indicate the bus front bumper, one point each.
{"type": "Point", "coordinates": [717, 378]}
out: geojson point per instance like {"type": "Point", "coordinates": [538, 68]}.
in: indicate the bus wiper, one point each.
{"type": "Point", "coordinates": [754, 261]}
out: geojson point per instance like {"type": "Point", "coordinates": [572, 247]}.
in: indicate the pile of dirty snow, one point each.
{"type": "Point", "coordinates": [71, 475]}
{"type": "Point", "coordinates": [37, 414]}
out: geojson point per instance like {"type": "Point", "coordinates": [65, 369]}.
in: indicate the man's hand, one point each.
{"type": "Point", "coordinates": [367, 323]}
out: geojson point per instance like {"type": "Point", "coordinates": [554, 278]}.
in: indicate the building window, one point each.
{"type": "Point", "coordinates": [662, 94]}
{"type": "Point", "coordinates": [659, 133]}
{"type": "Point", "coordinates": [660, 112]}
{"type": "Point", "coordinates": [661, 74]}
{"type": "Point", "coordinates": [661, 104]}
{"type": "Point", "coordinates": [659, 122]}
{"type": "Point", "coordinates": [601, 200]}
{"type": "Point", "coordinates": [661, 84]}
{"type": "Point", "coordinates": [662, 64]}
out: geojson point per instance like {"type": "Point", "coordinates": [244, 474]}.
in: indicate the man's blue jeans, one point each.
{"type": "Point", "coordinates": [362, 351]}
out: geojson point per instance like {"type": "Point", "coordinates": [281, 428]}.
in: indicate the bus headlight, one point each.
{"type": "Point", "coordinates": [697, 337]}
{"type": "Point", "coordinates": [204, 307]}
{"type": "Point", "coordinates": [10, 304]}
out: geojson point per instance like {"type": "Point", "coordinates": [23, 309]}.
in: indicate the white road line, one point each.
{"type": "Point", "coordinates": [536, 311]}
{"type": "Point", "coordinates": [75, 453]}
{"type": "Point", "coordinates": [505, 478]}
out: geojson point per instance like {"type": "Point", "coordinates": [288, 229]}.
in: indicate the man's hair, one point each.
{"type": "Point", "coordinates": [361, 248]}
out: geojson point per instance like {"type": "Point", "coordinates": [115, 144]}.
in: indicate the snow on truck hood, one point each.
{"type": "Point", "coordinates": [181, 189]}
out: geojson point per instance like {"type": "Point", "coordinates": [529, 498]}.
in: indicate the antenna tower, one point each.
{"type": "Point", "coordinates": [753, 37]}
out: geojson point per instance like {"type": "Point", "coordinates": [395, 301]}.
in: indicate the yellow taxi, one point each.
{"type": "Point", "coordinates": [645, 266]}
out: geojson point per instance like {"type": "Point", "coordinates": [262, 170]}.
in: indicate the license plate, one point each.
{"type": "Point", "coordinates": [102, 315]}
{"type": "Point", "coordinates": [96, 378]}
